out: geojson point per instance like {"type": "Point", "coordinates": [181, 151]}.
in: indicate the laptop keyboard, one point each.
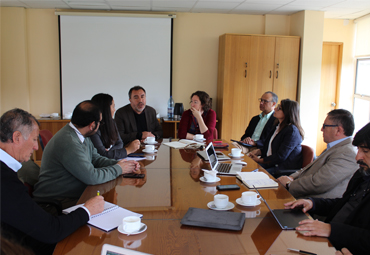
{"type": "Point", "coordinates": [224, 167]}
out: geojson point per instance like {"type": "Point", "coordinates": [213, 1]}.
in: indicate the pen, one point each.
{"type": "Point", "coordinates": [302, 252]}
{"type": "Point", "coordinates": [98, 193]}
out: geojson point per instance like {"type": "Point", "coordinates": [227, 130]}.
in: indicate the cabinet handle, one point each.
{"type": "Point", "coordinates": [245, 75]}
{"type": "Point", "coordinates": [277, 74]}
{"type": "Point", "coordinates": [270, 74]}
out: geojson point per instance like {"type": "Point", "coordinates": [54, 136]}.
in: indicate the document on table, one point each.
{"type": "Point", "coordinates": [182, 143]}
{"type": "Point", "coordinates": [257, 180]}
{"type": "Point", "coordinates": [109, 219]}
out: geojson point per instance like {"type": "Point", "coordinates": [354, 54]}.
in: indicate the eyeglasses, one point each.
{"type": "Point", "coordinates": [263, 101]}
{"type": "Point", "coordinates": [324, 126]}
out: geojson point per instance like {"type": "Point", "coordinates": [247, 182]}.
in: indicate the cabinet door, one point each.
{"type": "Point", "coordinates": [232, 85]}
{"type": "Point", "coordinates": [261, 70]}
{"type": "Point", "coordinates": [286, 67]}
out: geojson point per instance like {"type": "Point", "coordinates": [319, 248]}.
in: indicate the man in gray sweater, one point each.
{"type": "Point", "coordinates": [70, 161]}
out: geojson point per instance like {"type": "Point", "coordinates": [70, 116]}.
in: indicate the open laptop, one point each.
{"type": "Point", "coordinates": [221, 168]}
{"type": "Point", "coordinates": [288, 219]}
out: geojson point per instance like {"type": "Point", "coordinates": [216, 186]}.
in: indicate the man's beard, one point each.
{"type": "Point", "coordinates": [364, 168]}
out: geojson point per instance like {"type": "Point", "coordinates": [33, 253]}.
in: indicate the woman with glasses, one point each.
{"type": "Point", "coordinates": [282, 149]}
{"type": "Point", "coordinates": [107, 140]}
{"type": "Point", "coordinates": [199, 119]}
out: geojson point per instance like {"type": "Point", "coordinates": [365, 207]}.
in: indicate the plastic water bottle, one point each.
{"type": "Point", "coordinates": [170, 107]}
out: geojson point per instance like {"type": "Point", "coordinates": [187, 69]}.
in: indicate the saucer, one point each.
{"type": "Point", "coordinates": [151, 143]}
{"type": "Point", "coordinates": [239, 201]}
{"type": "Point", "coordinates": [205, 180]}
{"type": "Point", "coordinates": [203, 139]}
{"type": "Point", "coordinates": [150, 152]}
{"type": "Point", "coordinates": [211, 205]}
{"type": "Point", "coordinates": [231, 155]}
{"type": "Point", "coordinates": [122, 231]}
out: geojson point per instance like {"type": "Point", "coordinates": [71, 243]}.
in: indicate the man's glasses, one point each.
{"type": "Point", "coordinates": [263, 101]}
{"type": "Point", "coordinates": [324, 126]}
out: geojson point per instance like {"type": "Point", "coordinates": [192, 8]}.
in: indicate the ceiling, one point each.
{"type": "Point", "coordinates": [334, 9]}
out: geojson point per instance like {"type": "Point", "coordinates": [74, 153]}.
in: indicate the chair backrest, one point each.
{"type": "Point", "coordinates": [215, 134]}
{"type": "Point", "coordinates": [307, 154]}
{"type": "Point", "coordinates": [45, 136]}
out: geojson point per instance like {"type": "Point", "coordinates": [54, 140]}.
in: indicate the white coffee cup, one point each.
{"type": "Point", "coordinates": [199, 137]}
{"type": "Point", "coordinates": [221, 201]}
{"type": "Point", "coordinates": [209, 177]}
{"type": "Point", "coordinates": [149, 148]}
{"type": "Point", "coordinates": [150, 139]}
{"type": "Point", "coordinates": [236, 152]}
{"type": "Point", "coordinates": [250, 197]}
{"type": "Point", "coordinates": [54, 114]}
{"type": "Point", "coordinates": [131, 224]}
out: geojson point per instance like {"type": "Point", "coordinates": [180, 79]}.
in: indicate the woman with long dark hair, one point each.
{"type": "Point", "coordinates": [282, 149]}
{"type": "Point", "coordinates": [199, 119]}
{"type": "Point", "coordinates": [107, 140]}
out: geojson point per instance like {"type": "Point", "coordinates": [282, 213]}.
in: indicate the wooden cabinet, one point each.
{"type": "Point", "coordinates": [248, 66]}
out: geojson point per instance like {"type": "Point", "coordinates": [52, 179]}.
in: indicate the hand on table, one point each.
{"type": "Point", "coordinates": [146, 134]}
{"type": "Point", "coordinates": [314, 228]}
{"type": "Point", "coordinates": [344, 251]}
{"type": "Point", "coordinates": [284, 179]}
{"type": "Point", "coordinates": [254, 155]}
{"type": "Point", "coordinates": [95, 205]}
{"type": "Point", "coordinates": [130, 166]}
{"type": "Point", "coordinates": [133, 146]}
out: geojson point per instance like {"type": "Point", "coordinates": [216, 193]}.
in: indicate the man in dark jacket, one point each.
{"type": "Point", "coordinates": [260, 125]}
{"type": "Point", "coordinates": [348, 222]}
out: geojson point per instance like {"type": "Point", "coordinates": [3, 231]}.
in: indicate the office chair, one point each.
{"type": "Point", "coordinates": [44, 136]}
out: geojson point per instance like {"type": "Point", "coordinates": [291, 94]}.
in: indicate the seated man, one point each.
{"type": "Point", "coordinates": [22, 220]}
{"type": "Point", "coordinates": [261, 125]}
{"type": "Point", "coordinates": [348, 222]}
{"type": "Point", "coordinates": [137, 120]}
{"type": "Point", "coordinates": [330, 173]}
{"type": "Point", "coordinates": [70, 161]}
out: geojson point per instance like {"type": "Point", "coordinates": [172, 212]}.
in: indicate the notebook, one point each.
{"type": "Point", "coordinates": [256, 180]}
{"type": "Point", "coordinates": [288, 219]}
{"type": "Point", "coordinates": [221, 168]}
{"type": "Point", "coordinates": [109, 219]}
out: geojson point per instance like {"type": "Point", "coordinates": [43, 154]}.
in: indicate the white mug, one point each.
{"type": "Point", "coordinates": [221, 201]}
{"type": "Point", "coordinates": [199, 137]}
{"type": "Point", "coordinates": [209, 177]}
{"type": "Point", "coordinates": [236, 152]}
{"type": "Point", "coordinates": [149, 147]}
{"type": "Point", "coordinates": [250, 197]}
{"type": "Point", "coordinates": [54, 114]}
{"type": "Point", "coordinates": [150, 139]}
{"type": "Point", "coordinates": [131, 224]}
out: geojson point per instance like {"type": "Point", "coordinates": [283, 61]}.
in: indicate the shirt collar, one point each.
{"type": "Point", "coordinates": [80, 136]}
{"type": "Point", "coordinates": [329, 145]}
{"type": "Point", "coordinates": [267, 115]}
{"type": "Point", "coordinates": [10, 161]}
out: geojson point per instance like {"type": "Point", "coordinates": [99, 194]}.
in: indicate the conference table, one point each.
{"type": "Point", "coordinates": [172, 185]}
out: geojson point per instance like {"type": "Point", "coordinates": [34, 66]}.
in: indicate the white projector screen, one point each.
{"type": "Point", "coordinates": [111, 55]}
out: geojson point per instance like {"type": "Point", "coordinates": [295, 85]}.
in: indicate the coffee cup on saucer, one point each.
{"type": "Point", "coordinates": [210, 176]}
{"type": "Point", "coordinates": [221, 201]}
{"type": "Point", "coordinates": [149, 148]}
{"type": "Point", "coordinates": [150, 139]}
{"type": "Point", "coordinates": [199, 137]}
{"type": "Point", "coordinates": [236, 152]}
{"type": "Point", "coordinates": [131, 224]}
{"type": "Point", "coordinates": [250, 197]}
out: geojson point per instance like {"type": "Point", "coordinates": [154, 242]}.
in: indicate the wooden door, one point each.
{"type": "Point", "coordinates": [234, 51]}
{"type": "Point", "coordinates": [286, 67]}
{"type": "Point", "coordinates": [329, 88]}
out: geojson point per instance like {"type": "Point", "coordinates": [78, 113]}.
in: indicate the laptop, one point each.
{"type": "Point", "coordinates": [221, 168]}
{"type": "Point", "coordinates": [288, 219]}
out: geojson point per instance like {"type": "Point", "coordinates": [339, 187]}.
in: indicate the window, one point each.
{"type": "Point", "coordinates": [361, 109]}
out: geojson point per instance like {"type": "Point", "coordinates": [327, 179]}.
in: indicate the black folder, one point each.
{"type": "Point", "coordinates": [213, 219]}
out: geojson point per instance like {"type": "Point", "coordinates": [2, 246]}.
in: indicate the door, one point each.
{"type": "Point", "coordinates": [286, 67]}
{"type": "Point", "coordinates": [329, 88]}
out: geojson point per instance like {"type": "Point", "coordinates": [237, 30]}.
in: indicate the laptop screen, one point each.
{"type": "Point", "coordinates": [212, 157]}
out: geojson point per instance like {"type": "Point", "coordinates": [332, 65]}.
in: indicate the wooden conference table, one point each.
{"type": "Point", "coordinates": [170, 187]}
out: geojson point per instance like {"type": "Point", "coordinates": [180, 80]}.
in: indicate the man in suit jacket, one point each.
{"type": "Point", "coordinates": [137, 120]}
{"type": "Point", "coordinates": [329, 174]}
{"type": "Point", "coordinates": [22, 220]}
{"type": "Point", "coordinates": [347, 223]}
{"type": "Point", "coordinates": [260, 125]}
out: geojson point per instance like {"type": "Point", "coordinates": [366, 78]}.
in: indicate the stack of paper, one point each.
{"type": "Point", "coordinates": [257, 180]}
{"type": "Point", "coordinates": [109, 219]}
{"type": "Point", "coordinates": [182, 143]}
